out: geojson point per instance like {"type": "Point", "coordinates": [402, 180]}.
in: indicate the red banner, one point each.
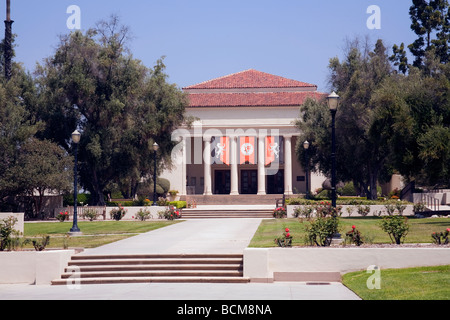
{"type": "Point", "coordinates": [247, 150]}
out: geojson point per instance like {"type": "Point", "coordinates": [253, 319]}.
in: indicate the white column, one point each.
{"type": "Point", "coordinates": [234, 167]}
{"type": "Point", "coordinates": [184, 167]}
{"type": "Point", "coordinates": [261, 167]}
{"type": "Point", "coordinates": [207, 166]}
{"type": "Point", "coordinates": [288, 165]}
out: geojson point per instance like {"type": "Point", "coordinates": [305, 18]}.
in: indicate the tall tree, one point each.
{"type": "Point", "coordinates": [430, 21]}
{"type": "Point", "coordinates": [120, 106]}
{"type": "Point", "coordinates": [362, 128]}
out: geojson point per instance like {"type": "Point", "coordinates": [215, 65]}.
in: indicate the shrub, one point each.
{"type": "Point", "coordinates": [143, 214]}
{"type": "Point", "coordinates": [118, 214]}
{"type": "Point", "coordinates": [39, 245]}
{"type": "Point", "coordinates": [162, 202]}
{"type": "Point", "coordinates": [285, 240]}
{"type": "Point", "coordinates": [90, 214]}
{"type": "Point", "coordinates": [7, 231]}
{"type": "Point", "coordinates": [170, 214]}
{"type": "Point", "coordinates": [354, 236]}
{"type": "Point", "coordinates": [321, 230]}
{"type": "Point", "coordinates": [178, 204]}
{"type": "Point", "coordinates": [419, 207]}
{"type": "Point", "coordinates": [304, 211]}
{"type": "Point", "coordinates": [441, 237]}
{"type": "Point", "coordinates": [62, 216]}
{"type": "Point", "coordinates": [397, 228]}
{"type": "Point", "coordinates": [400, 207]}
{"type": "Point", "coordinates": [363, 210]}
{"type": "Point", "coordinates": [390, 209]}
{"type": "Point", "coordinates": [279, 213]}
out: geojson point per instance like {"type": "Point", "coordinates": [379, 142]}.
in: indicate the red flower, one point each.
{"type": "Point", "coordinates": [287, 230]}
{"type": "Point", "coordinates": [448, 229]}
{"type": "Point", "coordinates": [353, 227]}
{"type": "Point", "coordinates": [288, 235]}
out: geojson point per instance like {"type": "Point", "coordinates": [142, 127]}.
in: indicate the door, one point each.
{"type": "Point", "coordinates": [249, 181]}
{"type": "Point", "coordinates": [275, 183]}
{"type": "Point", "coordinates": [222, 182]}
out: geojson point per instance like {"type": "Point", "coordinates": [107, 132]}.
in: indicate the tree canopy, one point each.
{"type": "Point", "coordinates": [92, 83]}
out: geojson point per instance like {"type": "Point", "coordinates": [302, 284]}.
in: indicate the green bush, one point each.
{"type": "Point", "coordinates": [7, 232]}
{"type": "Point", "coordinates": [320, 231]}
{"type": "Point", "coordinates": [164, 184]}
{"type": "Point", "coordinates": [178, 204]}
{"type": "Point", "coordinates": [396, 227]}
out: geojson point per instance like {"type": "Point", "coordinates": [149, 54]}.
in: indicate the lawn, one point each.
{"type": "Point", "coordinates": [94, 234]}
{"type": "Point", "coordinates": [424, 283]}
{"type": "Point", "coordinates": [420, 230]}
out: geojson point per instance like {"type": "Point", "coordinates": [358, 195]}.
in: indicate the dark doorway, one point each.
{"type": "Point", "coordinates": [249, 181]}
{"type": "Point", "coordinates": [222, 182]}
{"type": "Point", "coordinates": [275, 183]}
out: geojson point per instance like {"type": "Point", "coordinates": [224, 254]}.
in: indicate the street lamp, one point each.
{"type": "Point", "coordinates": [333, 104]}
{"type": "Point", "coordinates": [306, 147]}
{"type": "Point", "coordinates": [76, 136]}
{"type": "Point", "coordinates": [155, 149]}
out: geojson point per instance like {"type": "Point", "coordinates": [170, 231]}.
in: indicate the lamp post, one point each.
{"type": "Point", "coordinates": [8, 41]}
{"type": "Point", "coordinates": [306, 147]}
{"type": "Point", "coordinates": [76, 136]}
{"type": "Point", "coordinates": [333, 104]}
{"type": "Point", "coordinates": [155, 149]}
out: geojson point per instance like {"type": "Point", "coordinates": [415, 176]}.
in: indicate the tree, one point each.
{"type": "Point", "coordinates": [93, 84]}
{"type": "Point", "coordinates": [15, 130]}
{"type": "Point", "coordinates": [430, 21]}
{"type": "Point", "coordinates": [362, 126]}
{"type": "Point", "coordinates": [43, 168]}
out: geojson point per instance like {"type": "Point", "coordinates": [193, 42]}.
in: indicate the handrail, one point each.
{"type": "Point", "coordinates": [431, 202]}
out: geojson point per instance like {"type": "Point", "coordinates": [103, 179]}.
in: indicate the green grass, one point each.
{"type": "Point", "coordinates": [420, 230]}
{"type": "Point", "coordinates": [94, 234]}
{"type": "Point", "coordinates": [424, 283]}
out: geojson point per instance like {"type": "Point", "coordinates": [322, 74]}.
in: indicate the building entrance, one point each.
{"type": "Point", "coordinates": [275, 183]}
{"type": "Point", "coordinates": [222, 182]}
{"type": "Point", "coordinates": [249, 181]}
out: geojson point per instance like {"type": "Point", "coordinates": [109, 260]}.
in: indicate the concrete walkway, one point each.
{"type": "Point", "coordinates": [191, 236]}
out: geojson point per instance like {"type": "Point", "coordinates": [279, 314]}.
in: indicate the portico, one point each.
{"type": "Point", "coordinates": [244, 136]}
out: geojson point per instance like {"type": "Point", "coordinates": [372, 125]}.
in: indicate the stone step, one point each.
{"type": "Point", "coordinates": [157, 273]}
{"type": "Point", "coordinates": [90, 262]}
{"type": "Point", "coordinates": [121, 268]}
{"type": "Point", "coordinates": [223, 214]}
{"type": "Point", "coordinates": [151, 280]}
{"type": "Point", "coordinates": [97, 269]}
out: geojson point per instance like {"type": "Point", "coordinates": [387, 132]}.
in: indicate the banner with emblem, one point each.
{"type": "Point", "coordinates": [247, 148]}
{"type": "Point", "coordinates": [274, 150]}
{"type": "Point", "coordinates": [220, 150]}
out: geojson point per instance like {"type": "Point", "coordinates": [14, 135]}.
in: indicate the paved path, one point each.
{"type": "Point", "coordinates": [191, 236]}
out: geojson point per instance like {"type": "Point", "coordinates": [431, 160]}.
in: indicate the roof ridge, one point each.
{"type": "Point", "coordinates": [262, 80]}
{"type": "Point", "coordinates": [219, 78]}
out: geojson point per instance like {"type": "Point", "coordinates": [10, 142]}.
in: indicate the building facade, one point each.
{"type": "Point", "coordinates": [243, 136]}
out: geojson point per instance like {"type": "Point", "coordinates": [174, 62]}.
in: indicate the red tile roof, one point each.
{"type": "Point", "coordinates": [250, 79]}
{"type": "Point", "coordinates": [252, 99]}
{"type": "Point", "coordinates": [251, 88]}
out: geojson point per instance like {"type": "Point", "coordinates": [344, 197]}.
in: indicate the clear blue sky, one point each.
{"type": "Point", "coordinates": [205, 39]}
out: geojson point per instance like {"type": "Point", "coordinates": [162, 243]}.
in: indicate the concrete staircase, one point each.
{"type": "Point", "coordinates": [227, 213]}
{"type": "Point", "coordinates": [174, 268]}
